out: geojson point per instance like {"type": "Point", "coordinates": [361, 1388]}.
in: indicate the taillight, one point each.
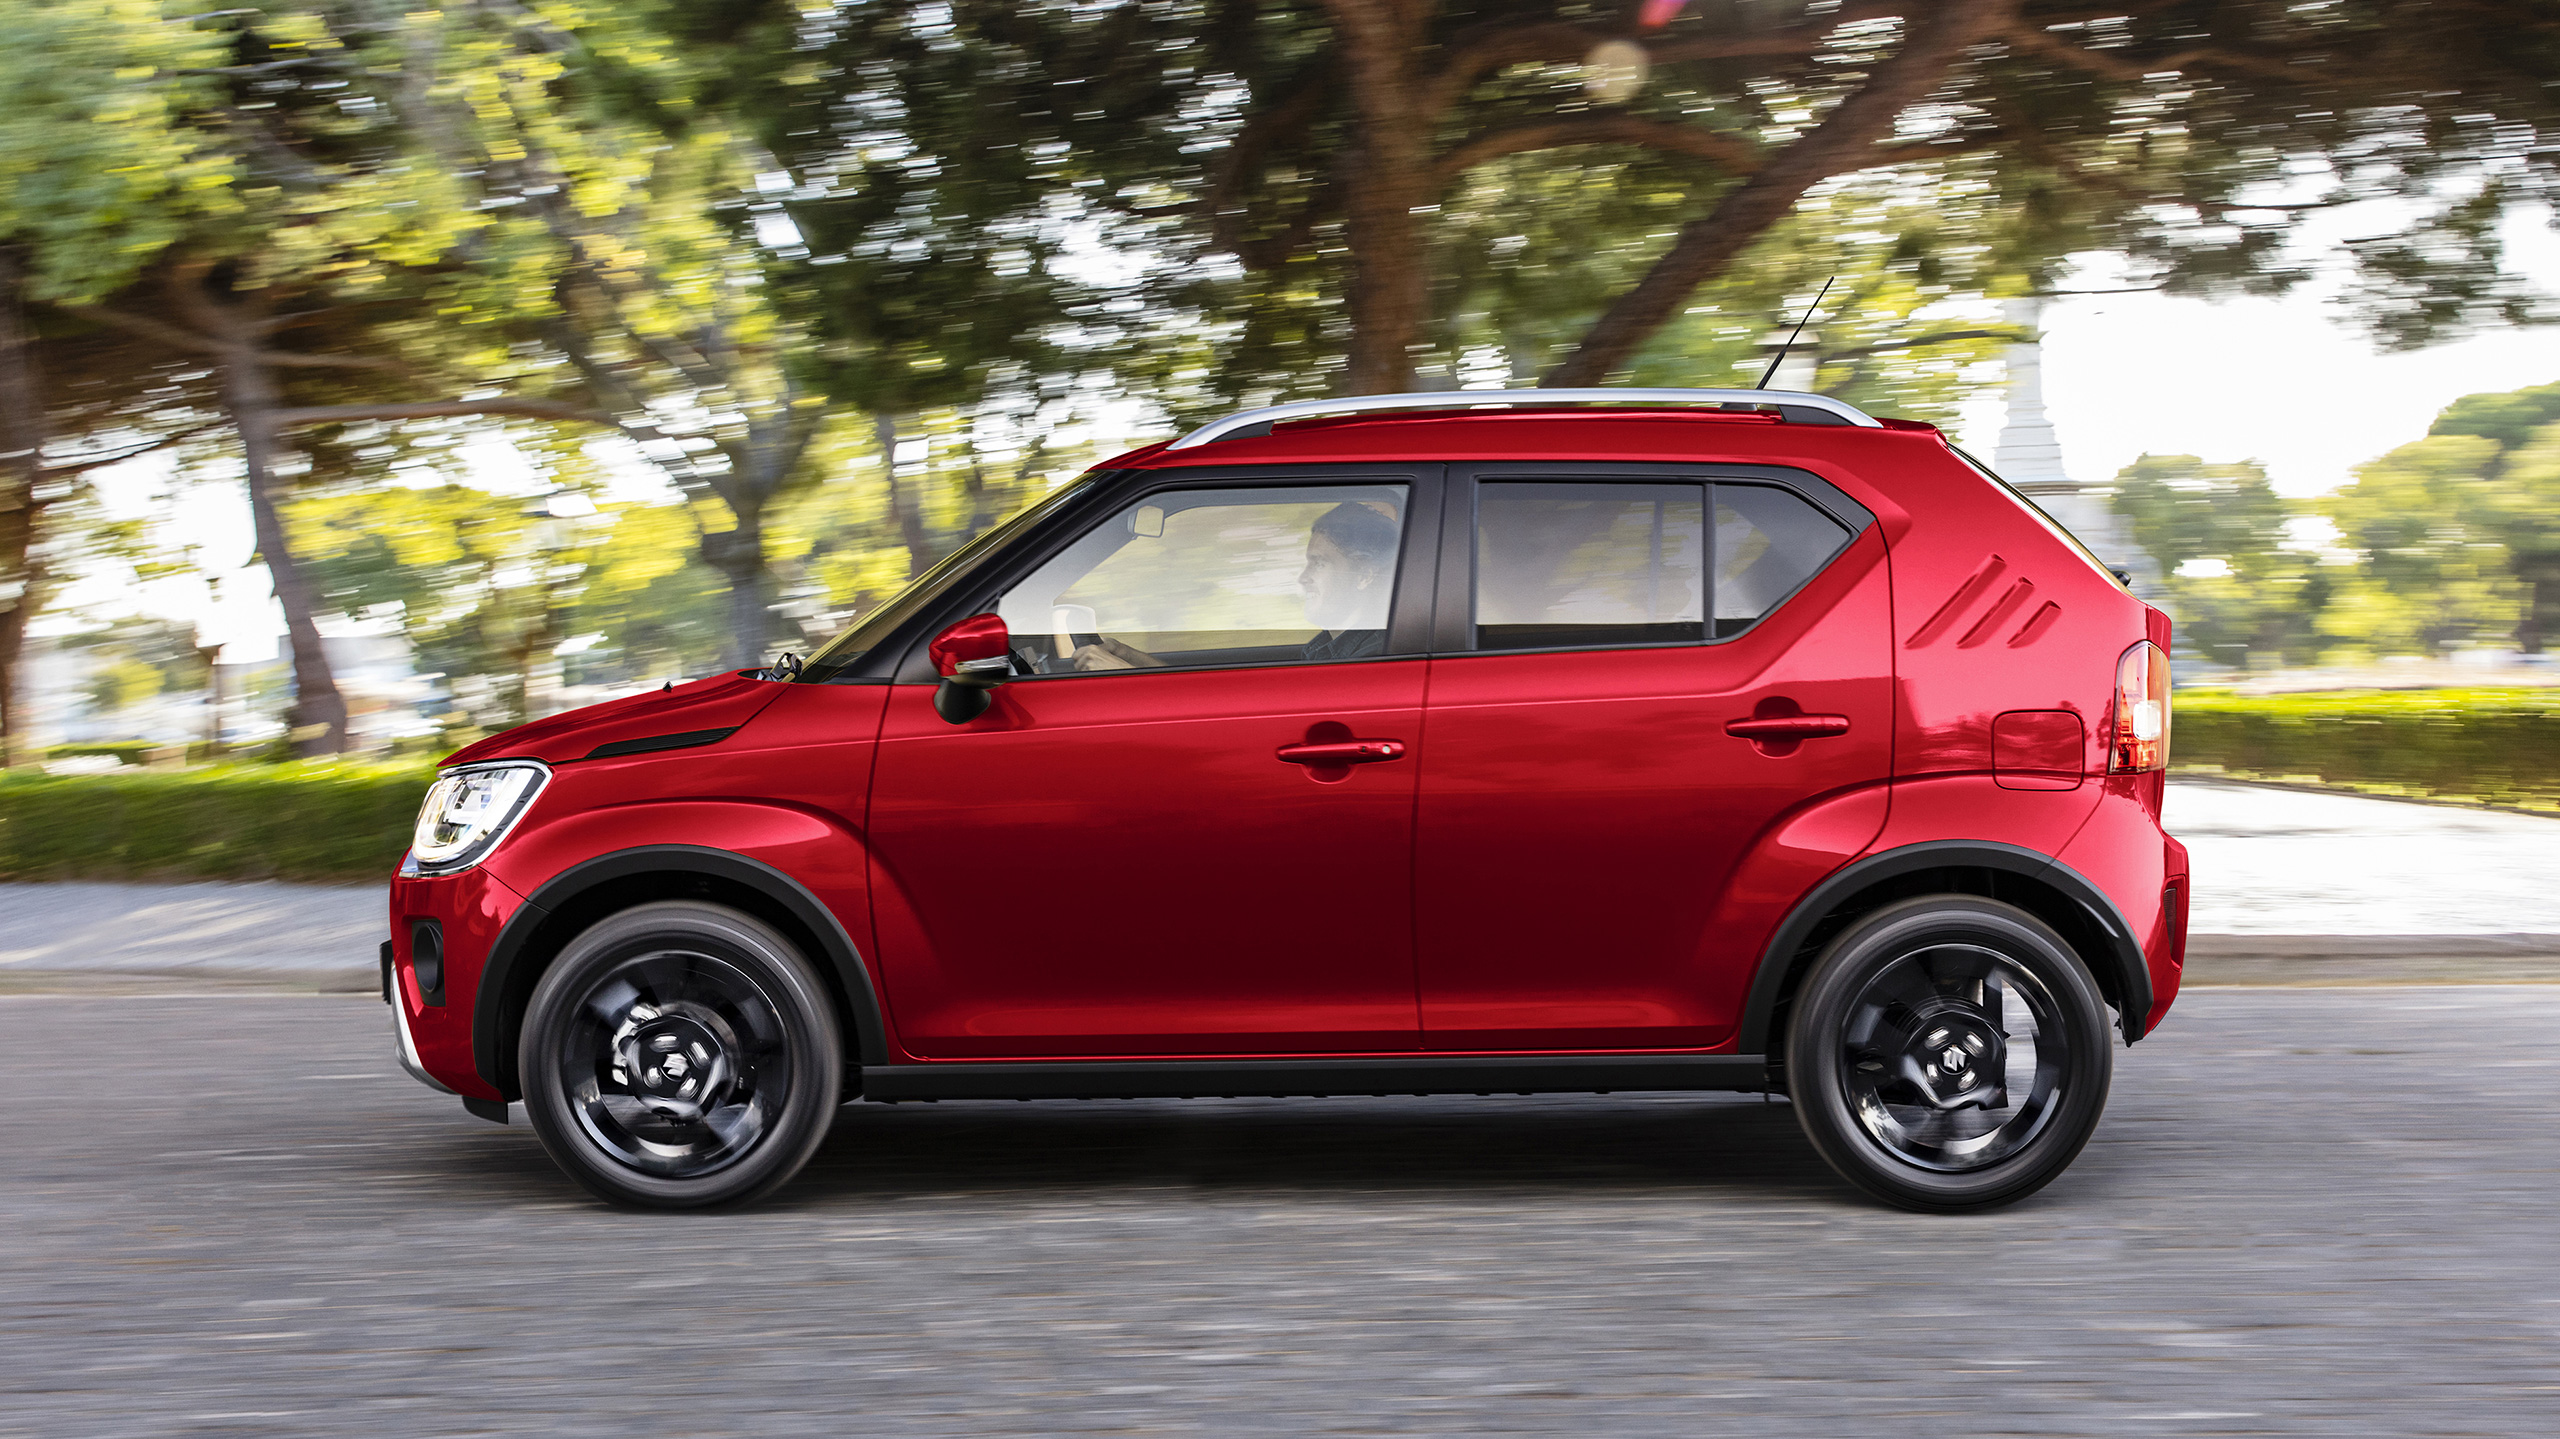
{"type": "Point", "coordinates": [2140, 741]}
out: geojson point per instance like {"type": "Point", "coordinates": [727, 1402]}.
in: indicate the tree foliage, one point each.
{"type": "Point", "coordinates": [844, 272]}
{"type": "Point", "coordinates": [2243, 590]}
{"type": "Point", "coordinates": [2459, 532]}
{"type": "Point", "coordinates": [1294, 179]}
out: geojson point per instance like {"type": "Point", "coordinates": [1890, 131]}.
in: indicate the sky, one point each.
{"type": "Point", "coordinates": [2279, 381]}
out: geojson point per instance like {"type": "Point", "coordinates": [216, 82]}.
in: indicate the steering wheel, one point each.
{"type": "Point", "coordinates": [1049, 662]}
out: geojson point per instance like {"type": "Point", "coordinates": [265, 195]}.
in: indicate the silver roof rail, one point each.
{"type": "Point", "coordinates": [1783, 400]}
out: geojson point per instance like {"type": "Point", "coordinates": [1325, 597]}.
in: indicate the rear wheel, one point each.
{"type": "Point", "coordinates": [680, 1054]}
{"type": "Point", "coordinates": [1949, 1053]}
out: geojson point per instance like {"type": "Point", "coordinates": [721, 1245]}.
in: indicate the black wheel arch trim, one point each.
{"type": "Point", "coordinates": [2129, 969]}
{"type": "Point", "coordinates": [490, 1016]}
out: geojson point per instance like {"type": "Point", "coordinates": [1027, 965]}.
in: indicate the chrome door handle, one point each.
{"type": "Point", "coordinates": [1342, 751]}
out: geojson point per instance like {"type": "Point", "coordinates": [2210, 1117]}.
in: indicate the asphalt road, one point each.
{"type": "Point", "coordinates": [2309, 1211]}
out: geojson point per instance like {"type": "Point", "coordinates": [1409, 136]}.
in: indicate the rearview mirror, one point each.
{"type": "Point", "coordinates": [973, 656]}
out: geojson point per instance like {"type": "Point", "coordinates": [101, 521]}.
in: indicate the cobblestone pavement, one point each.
{"type": "Point", "coordinates": [2308, 1212]}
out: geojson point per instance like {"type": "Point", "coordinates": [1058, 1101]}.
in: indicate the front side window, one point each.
{"type": "Point", "coordinates": [1567, 565]}
{"type": "Point", "coordinates": [1216, 577]}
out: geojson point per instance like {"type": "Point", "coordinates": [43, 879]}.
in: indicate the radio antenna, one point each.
{"type": "Point", "coordinates": [1780, 358]}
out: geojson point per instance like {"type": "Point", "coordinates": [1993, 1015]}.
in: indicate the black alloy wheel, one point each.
{"type": "Point", "coordinates": [678, 1055]}
{"type": "Point", "coordinates": [1949, 1053]}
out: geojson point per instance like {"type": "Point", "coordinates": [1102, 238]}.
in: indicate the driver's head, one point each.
{"type": "Point", "coordinates": [1351, 559]}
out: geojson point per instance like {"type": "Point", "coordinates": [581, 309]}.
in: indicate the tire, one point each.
{"type": "Point", "coordinates": [1949, 1053]}
{"type": "Point", "coordinates": [679, 1055]}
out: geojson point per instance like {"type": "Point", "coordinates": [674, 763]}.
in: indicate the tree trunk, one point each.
{"type": "Point", "coordinates": [1391, 180]}
{"type": "Point", "coordinates": [738, 554]}
{"type": "Point", "coordinates": [212, 657]}
{"type": "Point", "coordinates": [1935, 38]}
{"type": "Point", "coordinates": [316, 722]}
{"type": "Point", "coordinates": [982, 501]}
{"type": "Point", "coordinates": [2541, 574]}
{"type": "Point", "coordinates": [903, 506]}
{"type": "Point", "coordinates": [21, 506]}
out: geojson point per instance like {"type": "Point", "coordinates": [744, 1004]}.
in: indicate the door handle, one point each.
{"type": "Point", "coordinates": [1342, 751]}
{"type": "Point", "coordinates": [1788, 727]}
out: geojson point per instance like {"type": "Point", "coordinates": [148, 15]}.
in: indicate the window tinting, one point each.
{"type": "Point", "coordinates": [1216, 577]}
{"type": "Point", "coordinates": [1567, 565]}
{"type": "Point", "coordinates": [1597, 564]}
{"type": "Point", "coordinates": [1769, 541]}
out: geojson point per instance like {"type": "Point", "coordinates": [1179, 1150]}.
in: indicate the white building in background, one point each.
{"type": "Point", "coordinates": [2029, 456]}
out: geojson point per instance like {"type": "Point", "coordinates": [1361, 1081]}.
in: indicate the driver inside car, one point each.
{"type": "Point", "coordinates": [1351, 558]}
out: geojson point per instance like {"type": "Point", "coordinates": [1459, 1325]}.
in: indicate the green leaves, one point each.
{"type": "Point", "coordinates": [102, 165]}
{"type": "Point", "coordinates": [2244, 590]}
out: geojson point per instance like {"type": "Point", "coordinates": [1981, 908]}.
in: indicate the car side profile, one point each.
{"type": "Point", "coordinates": [1489, 742]}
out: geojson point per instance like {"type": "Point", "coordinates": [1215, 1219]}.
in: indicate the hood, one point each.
{"type": "Point", "coordinates": [722, 702]}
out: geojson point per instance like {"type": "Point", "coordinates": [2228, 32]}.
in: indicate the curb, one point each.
{"type": "Point", "coordinates": [2370, 946]}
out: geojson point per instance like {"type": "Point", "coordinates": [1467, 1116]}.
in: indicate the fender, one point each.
{"type": "Point", "coordinates": [489, 1022]}
{"type": "Point", "coordinates": [2122, 951]}
{"type": "Point", "coordinates": [1784, 861]}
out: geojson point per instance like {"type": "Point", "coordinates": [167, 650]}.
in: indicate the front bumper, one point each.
{"type": "Point", "coordinates": [433, 1030]}
{"type": "Point", "coordinates": [409, 1049]}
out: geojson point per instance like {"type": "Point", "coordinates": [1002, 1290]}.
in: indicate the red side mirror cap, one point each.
{"type": "Point", "coordinates": [979, 637]}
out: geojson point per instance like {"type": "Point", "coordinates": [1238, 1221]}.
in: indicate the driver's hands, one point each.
{"type": "Point", "coordinates": [1110, 654]}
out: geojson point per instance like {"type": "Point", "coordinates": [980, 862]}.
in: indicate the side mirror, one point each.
{"type": "Point", "coordinates": [973, 657]}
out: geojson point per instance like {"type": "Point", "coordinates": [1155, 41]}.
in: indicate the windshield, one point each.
{"type": "Point", "coordinates": [857, 639]}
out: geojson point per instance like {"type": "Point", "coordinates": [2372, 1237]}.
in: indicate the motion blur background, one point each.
{"type": "Point", "coordinates": [375, 377]}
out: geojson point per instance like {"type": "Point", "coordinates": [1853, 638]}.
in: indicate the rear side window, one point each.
{"type": "Point", "coordinates": [1590, 564]}
{"type": "Point", "coordinates": [1769, 541]}
{"type": "Point", "coordinates": [1562, 564]}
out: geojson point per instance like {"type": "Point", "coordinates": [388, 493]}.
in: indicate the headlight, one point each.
{"type": "Point", "coordinates": [468, 811]}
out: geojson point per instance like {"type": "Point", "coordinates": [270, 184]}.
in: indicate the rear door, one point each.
{"type": "Point", "coordinates": [1585, 800]}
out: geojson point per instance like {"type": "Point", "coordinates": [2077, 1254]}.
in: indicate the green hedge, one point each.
{"type": "Point", "coordinates": [2499, 746]}
{"type": "Point", "coordinates": [329, 821]}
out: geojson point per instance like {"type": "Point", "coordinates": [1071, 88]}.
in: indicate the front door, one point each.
{"type": "Point", "coordinates": [1145, 849]}
{"type": "Point", "coordinates": [1584, 802]}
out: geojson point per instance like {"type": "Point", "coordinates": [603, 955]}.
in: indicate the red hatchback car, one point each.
{"type": "Point", "coordinates": [1486, 742]}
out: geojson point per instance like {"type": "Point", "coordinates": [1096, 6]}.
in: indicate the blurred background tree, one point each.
{"type": "Point", "coordinates": [2244, 590]}
{"type": "Point", "coordinates": [1291, 178]}
{"type": "Point", "coordinates": [97, 175]}
{"type": "Point", "coordinates": [297, 260]}
{"type": "Point", "coordinates": [799, 296]}
{"type": "Point", "coordinates": [2459, 532]}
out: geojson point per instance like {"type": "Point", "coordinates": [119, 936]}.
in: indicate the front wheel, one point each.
{"type": "Point", "coordinates": [1949, 1053]}
{"type": "Point", "coordinates": [678, 1055]}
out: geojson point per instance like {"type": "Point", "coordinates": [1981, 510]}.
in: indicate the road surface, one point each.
{"type": "Point", "coordinates": [2309, 1211]}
